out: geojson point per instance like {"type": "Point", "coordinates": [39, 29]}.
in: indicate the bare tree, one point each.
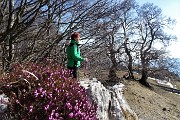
{"type": "Point", "coordinates": [7, 46]}
{"type": "Point", "coordinates": [151, 24]}
{"type": "Point", "coordinates": [164, 68]}
{"type": "Point", "coordinates": [56, 18]}
{"type": "Point", "coordinates": [106, 32]}
{"type": "Point", "coordinates": [127, 21]}
{"type": "Point", "coordinates": [16, 17]}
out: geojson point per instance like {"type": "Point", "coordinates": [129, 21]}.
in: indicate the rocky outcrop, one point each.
{"type": "Point", "coordinates": [3, 107]}
{"type": "Point", "coordinates": [111, 103]}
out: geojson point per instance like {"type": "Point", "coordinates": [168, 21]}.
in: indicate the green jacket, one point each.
{"type": "Point", "coordinates": [73, 54]}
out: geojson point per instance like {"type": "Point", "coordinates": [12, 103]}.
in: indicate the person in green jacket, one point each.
{"type": "Point", "coordinates": [73, 54]}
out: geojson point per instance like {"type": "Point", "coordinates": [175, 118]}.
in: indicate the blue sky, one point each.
{"type": "Point", "coordinates": [170, 8]}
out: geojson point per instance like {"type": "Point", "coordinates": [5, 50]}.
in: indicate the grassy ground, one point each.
{"type": "Point", "coordinates": [157, 104]}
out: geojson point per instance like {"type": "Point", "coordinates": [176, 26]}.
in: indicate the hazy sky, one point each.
{"type": "Point", "coordinates": [170, 8]}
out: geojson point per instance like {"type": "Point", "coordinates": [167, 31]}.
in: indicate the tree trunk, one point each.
{"type": "Point", "coordinates": [131, 75]}
{"type": "Point", "coordinates": [3, 55]}
{"type": "Point", "coordinates": [8, 45]}
{"type": "Point", "coordinates": [130, 70]}
{"type": "Point", "coordinates": [144, 77]}
{"type": "Point", "coordinates": [112, 72]}
{"type": "Point", "coordinates": [10, 54]}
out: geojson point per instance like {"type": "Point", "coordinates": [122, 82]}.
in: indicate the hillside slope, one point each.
{"type": "Point", "coordinates": [157, 104]}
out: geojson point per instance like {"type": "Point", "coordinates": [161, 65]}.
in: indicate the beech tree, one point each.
{"type": "Point", "coordinates": [16, 17]}
{"type": "Point", "coordinates": [150, 26]}
{"type": "Point", "coordinates": [127, 22]}
{"type": "Point", "coordinates": [107, 36]}
{"type": "Point", "coordinates": [41, 28]}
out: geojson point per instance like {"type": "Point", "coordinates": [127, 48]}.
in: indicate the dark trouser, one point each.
{"type": "Point", "coordinates": [74, 71]}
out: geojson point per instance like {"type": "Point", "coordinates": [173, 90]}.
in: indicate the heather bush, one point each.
{"type": "Point", "coordinates": [46, 92]}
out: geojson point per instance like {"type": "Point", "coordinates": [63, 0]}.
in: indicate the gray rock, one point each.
{"type": "Point", "coordinates": [3, 103]}
{"type": "Point", "coordinates": [111, 103]}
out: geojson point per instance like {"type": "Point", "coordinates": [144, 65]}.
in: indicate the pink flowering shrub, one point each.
{"type": "Point", "coordinates": [46, 92]}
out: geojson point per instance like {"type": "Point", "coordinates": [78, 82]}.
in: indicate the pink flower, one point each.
{"type": "Point", "coordinates": [46, 107]}
{"type": "Point", "coordinates": [69, 106]}
{"type": "Point", "coordinates": [57, 114]}
{"type": "Point", "coordinates": [31, 108]}
{"type": "Point", "coordinates": [40, 89]}
{"type": "Point", "coordinates": [17, 101]}
{"type": "Point", "coordinates": [76, 107]}
{"type": "Point", "coordinates": [70, 115]}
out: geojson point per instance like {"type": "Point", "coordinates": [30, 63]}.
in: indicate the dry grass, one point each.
{"type": "Point", "coordinates": [152, 105]}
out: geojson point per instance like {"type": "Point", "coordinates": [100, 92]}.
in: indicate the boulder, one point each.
{"type": "Point", "coordinates": [111, 103]}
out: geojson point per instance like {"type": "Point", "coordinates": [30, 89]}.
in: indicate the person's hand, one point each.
{"type": "Point", "coordinates": [86, 59]}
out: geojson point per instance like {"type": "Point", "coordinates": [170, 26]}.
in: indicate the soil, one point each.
{"type": "Point", "coordinates": [157, 104]}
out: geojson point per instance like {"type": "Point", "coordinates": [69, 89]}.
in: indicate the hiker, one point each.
{"type": "Point", "coordinates": [73, 55]}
